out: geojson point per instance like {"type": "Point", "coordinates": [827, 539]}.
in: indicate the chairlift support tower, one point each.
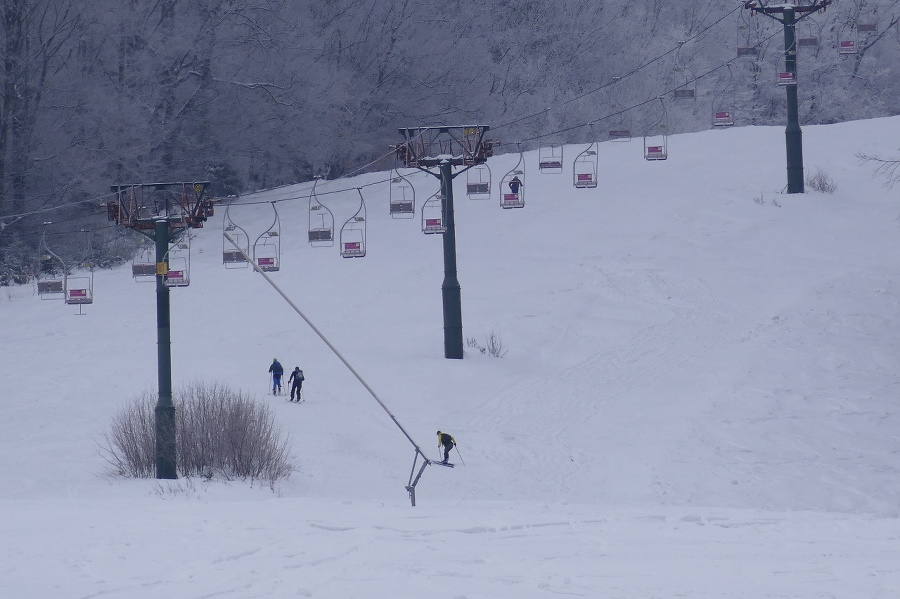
{"type": "Point", "coordinates": [788, 14]}
{"type": "Point", "coordinates": [443, 148]}
{"type": "Point", "coordinates": [162, 212]}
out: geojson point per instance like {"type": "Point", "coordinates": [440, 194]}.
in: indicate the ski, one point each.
{"type": "Point", "coordinates": [447, 464]}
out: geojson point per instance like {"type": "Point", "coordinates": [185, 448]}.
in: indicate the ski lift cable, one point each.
{"type": "Point", "coordinates": [636, 70]}
{"type": "Point", "coordinates": [702, 32]}
{"type": "Point", "coordinates": [624, 110]}
{"type": "Point", "coordinates": [330, 346]}
{"type": "Point", "coordinates": [318, 192]}
{"type": "Point", "coordinates": [628, 74]}
{"type": "Point", "coordinates": [19, 216]}
{"type": "Point", "coordinates": [707, 73]}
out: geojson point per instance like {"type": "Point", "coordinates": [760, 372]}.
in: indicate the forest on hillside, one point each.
{"type": "Point", "coordinates": [250, 94]}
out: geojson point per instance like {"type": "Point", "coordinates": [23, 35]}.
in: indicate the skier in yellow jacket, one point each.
{"type": "Point", "coordinates": [446, 441]}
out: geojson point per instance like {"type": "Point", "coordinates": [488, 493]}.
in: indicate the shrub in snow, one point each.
{"type": "Point", "coordinates": [493, 346]}
{"type": "Point", "coordinates": [820, 181]}
{"type": "Point", "coordinates": [221, 433]}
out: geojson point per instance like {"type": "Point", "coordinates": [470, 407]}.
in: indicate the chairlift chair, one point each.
{"type": "Point", "coordinates": [232, 257]}
{"type": "Point", "coordinates": [619, 123]}
{"type": "Point", "coordinates": [512, 185]}
{"type": "Point", "coordinates": [178, 274]}
{"type": "Point", "coordinates": [50, 285]}
{"type": "Point", "coordinates": [584, 170]}
{"type": "Point", "coordinates": [266, 252]}
{"type": "Point", "coordinates": [656, 137]}
{"type": "Point", "coordinates": [808, 34]}
{"type": "Point", "coordinates": [687, 82]}
{"type": "Point", "coordinates": [723, 118]}
{"type": "Point", "coordinates": [267, 247]}
{"type": "Point", "coordinates": [512, 189]}
{"type": "Point", "coordinates": [51, 289]}
{"type": "Point", "coordinates": [723, 103]}
{"type": "Point", "coordinates": [747, 36]}
{"type": "Point", "coordinates": [178, 260]}
{"type": "Point", "coordinates": [478, 182]}
{"type": "Point", "coordinates": [550, 159]}
{"type": "Point", "coordinates": [402, 197]}
{"type": "Point", "coordinates": [433, 215]}
{"type": "Point", "coordinates": [848, 40]}
{"type": "Point", "coordinates": [321, 222]}
{"type": "Point", "coordinates": [786, 78]}
{"type": "Point", "coordinates": [79, 290]}
{"type": "Point", "coordinates": [143, 265]}
{"type": "Point", "coordinates": [353, 233]}
{"type": "Point", "coordinates": [847, 47]}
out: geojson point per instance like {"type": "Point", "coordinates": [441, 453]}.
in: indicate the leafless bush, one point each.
{"type": "Point", "coordinates": [221, 433]}
{"type": "Point", "coordinates": [888, 168]}
{"type": "Point", "coordinates": [493, 346]}
{"type": "Point", "coordinates": [820, 181]}
{"type": "Point", "coordinates": [130, 447]}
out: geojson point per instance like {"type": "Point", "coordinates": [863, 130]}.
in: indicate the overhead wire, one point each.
{"type": "Point", "coordinates": [626, 75]}
{"type": "Point", "coordinates": [365, 166]}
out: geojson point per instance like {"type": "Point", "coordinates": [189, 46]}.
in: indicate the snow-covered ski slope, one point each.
{"type": "Point", "coordinates": [698, 397]}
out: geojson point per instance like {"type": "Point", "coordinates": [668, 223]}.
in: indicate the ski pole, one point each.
{"type": "Point", "coordinates": [460, 455]}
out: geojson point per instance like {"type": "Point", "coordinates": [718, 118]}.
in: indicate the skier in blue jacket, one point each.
{"type": "Point", "coordinates": [277, 372]}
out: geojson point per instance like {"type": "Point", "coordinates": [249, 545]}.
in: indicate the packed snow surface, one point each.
{"type": "Point", "coordinates": [696, 398]}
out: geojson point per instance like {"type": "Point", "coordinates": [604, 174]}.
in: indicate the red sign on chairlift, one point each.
{"type": "Point", "coordinates": [351, 246]}
{"type": "Point", "coordinates": [786, 78]}
{"type": "Point", "coordinates": [847, 47]}
{"type": "Point", "coordinates": [74, 293]}
{"type": "Point", "coordinates": [266, 261]}
{"type": "Point", "coordinates": [175, 275]}
{"type": "Point", "coordinates": [585, 177]}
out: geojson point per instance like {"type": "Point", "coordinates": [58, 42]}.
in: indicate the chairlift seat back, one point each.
{"type": "Point", "coordinates": [50, 287]}
{"type": "Point", "coordinates": [79, 296]}
{"type": "Point", "coordinates": [402, 207]}
{"type": "Point", "coordinates": [433, 225]}
{"type": "Point", "coordinates": [321, 235]}
{"type": "Point", "coordinates": [512, 200]}
{"type": "Point", "coordinates": [353, 249]}
{"type": "Point", "coordinates": [655, 153]}
{"type": "Point", "coordinates": [267, 264]}
{"type": "Point", "coordinates": [233, 257]}
{"type": "Point", "coordinates": [176, 278]}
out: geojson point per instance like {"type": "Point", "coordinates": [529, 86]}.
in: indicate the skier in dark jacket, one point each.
{"type": "Point", "coordinates": [277, 372]}
{"type": "Point", "coordinates": [447, 442]}
{"type": "Point", "coordinates": [296, 381]}
{"type": "Point", "coordinates": [515, 184]}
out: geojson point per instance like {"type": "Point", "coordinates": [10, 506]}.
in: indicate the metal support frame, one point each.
{"type": "Point", "coordinates": [160, 214]}
{"type": "Point", "coordinates": [793, 134]}
{"type": "Point", "coordinates": [444, 148]}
